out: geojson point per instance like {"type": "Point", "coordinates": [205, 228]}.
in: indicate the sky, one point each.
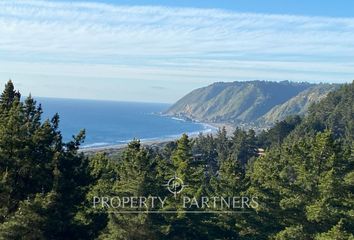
{"type": "Point", "coordinates": [158, 51]}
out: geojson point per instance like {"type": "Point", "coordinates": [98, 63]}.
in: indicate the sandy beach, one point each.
{"type": "Point", "coordinates": [156, 142]}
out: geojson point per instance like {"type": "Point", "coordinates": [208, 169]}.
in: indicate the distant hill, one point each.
{"type": "Point", "coordinates": [253, 103]}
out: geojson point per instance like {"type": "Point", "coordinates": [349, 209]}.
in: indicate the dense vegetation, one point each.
{"type": "Point", "coordinates": [304, 181]}
{"type": "Point", "coordinates": [256, 104]}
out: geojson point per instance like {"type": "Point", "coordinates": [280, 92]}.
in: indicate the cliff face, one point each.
{"type": "Point", "coordinates": [258, 103]}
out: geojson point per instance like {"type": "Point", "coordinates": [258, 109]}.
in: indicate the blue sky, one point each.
{"type": "Point", "coordinates": [157, 51]}
{"type": "Point", "coordinates": [329, 8]}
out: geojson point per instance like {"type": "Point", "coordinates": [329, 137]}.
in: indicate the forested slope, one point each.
{"type": "Point", "coordinates": [303, 182]}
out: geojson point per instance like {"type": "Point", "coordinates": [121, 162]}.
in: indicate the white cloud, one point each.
{"type": "Point", "coordinates": [170, 44]}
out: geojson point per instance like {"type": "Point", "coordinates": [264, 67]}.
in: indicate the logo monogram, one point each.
{"type": "Point", "coordinates": [175, 185]}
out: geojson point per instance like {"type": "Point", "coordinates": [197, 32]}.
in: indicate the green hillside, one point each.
{"type": "Point", "coordinates": [298, 104]}
{"type": "Point", "coordinates": [335, 112]}
{"type": "Point", "coordinates": [251, 102]}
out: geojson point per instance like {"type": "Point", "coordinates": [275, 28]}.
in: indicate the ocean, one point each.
{"type": "Point", "coordinates": [109, 123]}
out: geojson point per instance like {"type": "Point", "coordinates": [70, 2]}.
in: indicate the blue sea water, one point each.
{"type": "Point", "coordinates": [113, 123]}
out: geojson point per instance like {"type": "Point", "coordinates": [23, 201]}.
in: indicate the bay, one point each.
{"type": "Point", "coordinates": [110, 123]}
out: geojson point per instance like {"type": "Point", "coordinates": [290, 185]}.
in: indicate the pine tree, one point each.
{"type": "Point", "coordinates": [302, 187]}
{"type": "Point", "coordinates": [8, 96]}
{"type": "Point", "coordinates": [222, 145]}
{"type": "Point", "coordinates": [133, 180]}
{"type": "Point", "coordinates": [192, 172]}
{"type": "Point", "coordinates": [229, 182]}
{"type": "Point", "coordinates": [206, 148]}
{"type": "Point", "coordinates": [244, 145]}
{"type": "Point", "coordinates": [27, 222]}
{"type": "Point", "coordinates": [33, 161]}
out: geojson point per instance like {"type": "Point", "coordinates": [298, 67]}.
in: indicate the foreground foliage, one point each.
{"type": "Point", "coordinates": [304, 181]}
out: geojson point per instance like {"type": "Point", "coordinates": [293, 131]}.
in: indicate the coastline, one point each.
{"type": "Point", "coordinates": [118, 147]}
{"type": "Point", "coordinates": [209, 128]}
{"type": "Point", "coordinates": [229, 128]}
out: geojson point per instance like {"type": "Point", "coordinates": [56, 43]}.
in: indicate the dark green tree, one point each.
{"type": "Point", "coordinates": [135, 178]}
{"type": "Point", "coordinates": [35, 162]}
